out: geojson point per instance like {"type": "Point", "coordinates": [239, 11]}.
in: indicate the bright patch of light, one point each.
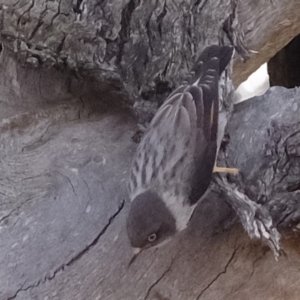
{"type": "Point", "coordinates": [256, 84]}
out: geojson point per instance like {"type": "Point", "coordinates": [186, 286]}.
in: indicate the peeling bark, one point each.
{"type": "Point", "coordinates": [146, 47]}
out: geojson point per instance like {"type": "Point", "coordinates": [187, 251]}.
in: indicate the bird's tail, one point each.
{"type": "Point", "coordinates": [214, 58]}
{"type": "Point", "coordinates": [208, 68]}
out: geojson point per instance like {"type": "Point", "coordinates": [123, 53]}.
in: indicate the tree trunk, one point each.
{"type": "Point", "coordinates": [70, 73]}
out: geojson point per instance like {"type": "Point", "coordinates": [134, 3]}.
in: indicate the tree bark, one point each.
{"type": "Point", "coordinates": [70, 71]}
{"type": "Point", "coordinates": [146, 46]}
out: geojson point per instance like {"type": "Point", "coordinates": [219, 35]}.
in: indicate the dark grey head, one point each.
{"type": "Point", "coordinates": [149, 222]}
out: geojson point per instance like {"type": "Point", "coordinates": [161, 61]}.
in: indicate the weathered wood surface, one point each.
{"type": "Point", "coordinates": [147, 45]}
{"type": "Point", "coordinates": [266, 26]}
{"type": "Point", "coordinates": [64, 162]}
{"type": "Point", "coordinates": [66, 147]}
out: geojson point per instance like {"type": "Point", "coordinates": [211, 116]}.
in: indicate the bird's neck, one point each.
{"type": "Point", "coordinates": [179, 208]}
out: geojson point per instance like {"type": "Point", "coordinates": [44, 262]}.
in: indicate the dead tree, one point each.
{"type": "Point", "coordinates": [72, 74]}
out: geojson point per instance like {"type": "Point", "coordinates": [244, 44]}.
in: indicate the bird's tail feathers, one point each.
{"type": "Point", "coordinates": [208, 68]}
{"type": "Point", "coordinates": [211, 63]}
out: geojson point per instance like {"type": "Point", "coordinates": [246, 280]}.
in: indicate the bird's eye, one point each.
{"type": "Point", "coordinates": [152, 237]}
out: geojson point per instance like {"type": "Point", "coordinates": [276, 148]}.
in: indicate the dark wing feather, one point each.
{"type": "Point", "coordinates": [180, 144]}
{"type": "Point", "coordinates": [204, 155]}
{"type": "Point", "coordinates": [208, 69]}
{"type": "Point", "coordinates": [160, 155]}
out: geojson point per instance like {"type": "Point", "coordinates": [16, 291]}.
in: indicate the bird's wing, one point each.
{"type": "Point", "coordinates": [204, 155]}
{"type": "Point", "coordinates": [208, 68]}
{"type": "Point", "coordinates": [178, 150]}
{"type": "Point", "coordinates": [166, 145]}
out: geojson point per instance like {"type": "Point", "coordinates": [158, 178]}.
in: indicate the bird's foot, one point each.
{"type": "Point", "coordinates": [233, 171]}
{"type": "Point", "coordinates": [255, 218]}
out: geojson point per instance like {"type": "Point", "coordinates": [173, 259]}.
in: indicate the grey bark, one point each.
{"type": "Point", "coordinates": [67, 68]}
{"type": "Point", "coordinates": [148, 46]}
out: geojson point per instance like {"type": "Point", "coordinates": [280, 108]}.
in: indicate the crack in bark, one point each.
{"type": "Point", "coordinates": [198, 2]}
{"type": "Point", "coordinates": [287, 165]}
{"type": "Point", "coordinates": [149, 36]}
{"type": "Point", "coordinates": [251, 274]}
{"type": "Point", "coordinates": [39, 24]}
{"type": "Point", "coordinates": [76, 257]}
{"type": "Point", "coordinates": [125, 26]}
{"type": "Point", "coordinates": [77, 7]}
{"type": "Point", "coordinates": [235, 34]}
{"type": "Point", "coordinates": [15, 4]}
{"type": "Point", "coordinates": [254, 263]}
{"type": "Point", "coordinates": [61, 44]}
{"type": "Point", "coordinates": [156, 282]}
{"type": "Point", "coordinates": [219, 274]}
{"type": "Point", "coordinates": [26, 11]}
{"type": "Point", "coordinates": [160, 18]}
{"type": "Point", "coordinates": [283, 219]}
{"type": "Point", "coordinates": [56, 14]}
{"type": "Point", "coordinates": [36, 142]}
{"type": "Point", "coordinates": [69, 180]}
{"type": "Point", "coordinates": [94, 242]}
{"type": "Point", "coordinates": [23, 289]}
{"type": "Point", "coordinates": [15, 209]}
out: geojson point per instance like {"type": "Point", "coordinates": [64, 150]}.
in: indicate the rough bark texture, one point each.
{"type": "Point", "coordinates": [148, 46]}
{"type": "Point", "coordinates": [66, 149]}
{"type": "Point", "coordinates": [63, 204]}
{"type": "Point", "coordinates": [267, 26]}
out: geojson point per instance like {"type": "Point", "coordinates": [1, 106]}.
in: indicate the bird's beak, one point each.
{"type": "Point", "coordinates": [136, 252]}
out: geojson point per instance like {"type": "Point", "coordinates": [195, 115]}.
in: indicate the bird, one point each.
{"type": "Point", "coordinates": [174, 162]}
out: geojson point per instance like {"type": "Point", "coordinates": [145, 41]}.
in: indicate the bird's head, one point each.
{"type": "Point", "coordinates": [150, 222]}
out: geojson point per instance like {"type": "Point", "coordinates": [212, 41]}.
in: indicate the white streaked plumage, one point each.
{"type": "Point", "coordinates": [173, 164]}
